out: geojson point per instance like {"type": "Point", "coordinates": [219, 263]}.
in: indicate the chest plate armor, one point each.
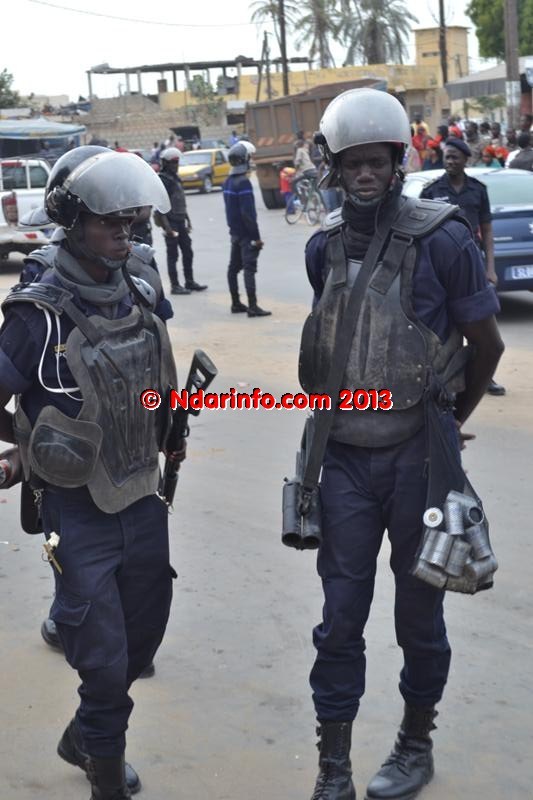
{"type": "Point", "coordinates": [391, 348]}
{"type": "Point", "coordinates": [112, 445]}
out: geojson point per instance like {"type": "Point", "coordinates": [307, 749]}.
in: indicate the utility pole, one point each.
{"type": "Point", "coordinates": [512, 82]}
{"type": "Point", "coordinates": [266, 51]}
{"type": "Point", "coordinates": [283, 47]}
{"type": "Point", "coordinates": [442, 44]}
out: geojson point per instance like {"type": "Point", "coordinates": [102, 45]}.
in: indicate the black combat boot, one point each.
{"type": "Point", "coordinates": [192, 286]}
{"type": "Point", "coordinates": [253, 309]}
{"type": "Point", "coordinates": [107, 778]}
{"type": "Point", "coordinates": [49, 634]}
{"type": "Point", "coordinates": [70, 749]}
{"type": "Point", "coordinates": [410, 765]}
{"type": "Point", "coordinates": [236, 306]}
{"type": "Point", "coordinates": [334, 780]}
{"type": "Point", "coordinates": [177, 288]}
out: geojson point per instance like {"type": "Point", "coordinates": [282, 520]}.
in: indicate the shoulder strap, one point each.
{"type": "Point", "coordinates": [343, 343]}
{"type": "Point", "coordinates": [419, 217]}
{"type": "Point", "coordinates": [46, 295]}
{"type": "Point", "coordinates": [55, 299]}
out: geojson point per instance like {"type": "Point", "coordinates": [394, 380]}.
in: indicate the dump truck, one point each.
{"type": "Point", "coordinates": [272, 126]}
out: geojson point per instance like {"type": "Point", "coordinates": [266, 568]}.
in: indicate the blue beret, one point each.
{"type": "Point", "coordinates": [459, 144]}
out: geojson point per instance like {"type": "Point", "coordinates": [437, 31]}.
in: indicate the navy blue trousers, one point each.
{"type": "Point", "coordinates": [111, 605]}
{"type": "Point", "coordinates": [242, 257]}
{"type": "Point", "coordinates": [365, 491]}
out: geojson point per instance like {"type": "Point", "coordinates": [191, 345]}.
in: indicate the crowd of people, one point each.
{"type": "Point", "coordinates": [488, 145]}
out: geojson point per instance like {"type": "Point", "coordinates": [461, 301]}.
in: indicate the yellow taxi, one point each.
{"type": "Point", "coordinates": [203, 169]}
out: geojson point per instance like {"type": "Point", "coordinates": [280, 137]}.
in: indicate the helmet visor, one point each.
{"type": "Point", "coordinates": [113, 182]}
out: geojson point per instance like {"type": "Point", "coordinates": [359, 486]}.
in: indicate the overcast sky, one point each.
{"type": "Point", "coordinates": [48, 48]}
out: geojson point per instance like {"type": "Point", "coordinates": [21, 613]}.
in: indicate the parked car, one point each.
{"type": "Point", "coordinates": [511, 200]}
{"type": "Point", "coordinates": [22, 184]}
{"type": "Point", "coordinates": [210, 144]}
{"type": "Point", "coordinates": [203, 169]}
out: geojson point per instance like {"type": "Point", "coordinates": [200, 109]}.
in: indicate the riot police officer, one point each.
{"type": "Point", "coordinates": [77, 349]}
{"type": "Point", "coordinates": [427, 290]}
{"type": "Point", "coordinates": [246, 242]}
{"type": "Point", "coordinates": [177, 225]}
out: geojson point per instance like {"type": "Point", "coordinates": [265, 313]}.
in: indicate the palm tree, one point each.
{"type": "Point", "coordinates": [267, 11]}
{"type": "Point", "coordinates": [317, 23]}
{"type": "Point", "coordinates": [375, 30]}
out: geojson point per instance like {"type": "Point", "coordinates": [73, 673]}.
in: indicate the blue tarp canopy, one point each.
{"type": "Point", "coordinates": [37, 128]}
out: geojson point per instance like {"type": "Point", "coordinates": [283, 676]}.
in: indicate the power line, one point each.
{"type": "Point", "coordinates": [142, 21]}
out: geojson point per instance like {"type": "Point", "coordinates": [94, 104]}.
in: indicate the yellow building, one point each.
{"type": "Point", "coordinates": [419, 84]}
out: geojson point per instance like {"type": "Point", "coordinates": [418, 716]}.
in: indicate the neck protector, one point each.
{"type": "Point", "coordinates": [72, 275]}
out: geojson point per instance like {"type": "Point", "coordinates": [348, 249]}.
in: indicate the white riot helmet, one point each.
{"type": "Point", "coordinates": [171, 154]}
{"type": "Point", "coordinates": [361, 116]}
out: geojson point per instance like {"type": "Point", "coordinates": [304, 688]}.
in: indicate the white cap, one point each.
{"type": "Point", "coordinates": [171, 154]}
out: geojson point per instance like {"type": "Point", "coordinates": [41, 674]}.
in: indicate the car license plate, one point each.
{"type": "Point", "coordinates": [519, 273]}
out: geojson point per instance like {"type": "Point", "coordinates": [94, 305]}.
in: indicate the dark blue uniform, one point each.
{"type": "Point", "coordinates": [366, 490]}
{"type": "Point", "coordinates": [473, 199]}
{"type": "Point", "coordinates": [113, 598]}
{"type": "Point", "coordinates": [241, 217]}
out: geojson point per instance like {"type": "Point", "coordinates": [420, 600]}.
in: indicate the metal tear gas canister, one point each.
{"type": "Point", "coordinates": [459, 552]}
{"type": "Point", "coordinates": [430, 574]}
{"type": "Point", "coordinates": [478, 537]}
{"type": "Point", "coordinates": [433, 517]}
{"type": "Point", "coordinates": [312, 524]}
{"type": "Point", "coordinates": [300, 530]}
{"type": "Point", "coordinates": [472, 512]}
{"type": "Point", "coordinates": [478, 570]}
{"type": "Point", "coordinates": [462, 584]}
{"type": "Point", "coordinates": [436, 547]}
{"type": "Point", "coordinates": [453, 518]}
{"type": "Point", "coordinates": [291, 531]}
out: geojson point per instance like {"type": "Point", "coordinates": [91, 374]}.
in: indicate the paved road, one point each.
{"type": "Point", "coordinates": [228, 715]}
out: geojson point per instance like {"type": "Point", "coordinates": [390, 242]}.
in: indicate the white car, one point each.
{"type": "Point", "coordinates": [22, 184]}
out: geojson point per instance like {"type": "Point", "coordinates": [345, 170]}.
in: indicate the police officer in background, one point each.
{"type": "Point", "coordinates": [246, 242]}
{"type": "Point", "coordinates": [77, 349]}
{"type": "Point", "coordinates": [414, 315]}
{"type": "Point", "coordinates": [177, 225]}
{"type": "Point", "coordinates": [456, 187]}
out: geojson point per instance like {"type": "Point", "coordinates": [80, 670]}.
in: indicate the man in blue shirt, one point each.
{"type": "Point", "coordinates": [456, 187]}
{"type": "Point", "coordinates": [414, 312]}
{"type": "Point", "coordinates": [246, 242]}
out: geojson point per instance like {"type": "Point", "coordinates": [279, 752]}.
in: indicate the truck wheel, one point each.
{"type": "Point", "coordinates": [207, 185]}
{"type": "Point", "coordinates": [272, 199]}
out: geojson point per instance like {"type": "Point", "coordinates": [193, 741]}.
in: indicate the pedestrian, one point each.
{"type": "Point", "coordinates": [305, 169]}
{"type": "Point", "coordinates": [524, 156]}
{"type": "Point", "coordinates": [374, 474]}
{"type": "Point", "coordinates": [75, 348]}
{"type": "Point", "coordinates": [475, 144]}
{"type": "Point", "coordinates": [489, 157]}
{"type": "Point", "coordinates": [246, 242]}
{"type": "Point", "coordinates": [233, 139]}
{"type": "Point", "coordinates": [286, 175]}
{"type": "Point", "coordinates": [460, 189]}
{"type": "Point", "coordinates": [177, 225]}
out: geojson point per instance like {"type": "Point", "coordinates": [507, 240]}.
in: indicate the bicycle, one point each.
{"type": "Point", "coordinates": [308, 201]}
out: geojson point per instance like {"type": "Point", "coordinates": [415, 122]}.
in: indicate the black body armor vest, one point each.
{"type": "Point", "coordinates": [391, 348]}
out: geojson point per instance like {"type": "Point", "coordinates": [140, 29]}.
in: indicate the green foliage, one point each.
{"type": "Point", "coordinates": [267, 11]}
{"type": "Point", "coordinates": [8, 97]}
{"type": "Point", "coordinates": [487, 16]}
{"type": "Point", "coordinates": [486, 104]}
{"type": "Point", "coordinates": [317, 24]}
{"type": "Point", "coordinates": [209, 109]}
